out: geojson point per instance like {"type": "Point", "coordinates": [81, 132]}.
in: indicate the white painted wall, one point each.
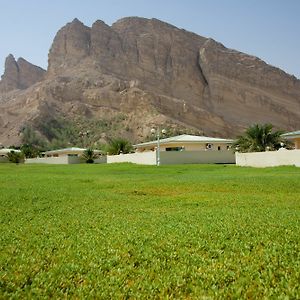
{"type": "Point", "coordinates": [101, 160]}
{"type": "Point", "coordinates": [195, 146]}
{"type": "Point", "coordinates": [196, 157]}
{"type": "Point", "coordinates": [61, 160]}
{"type": "Point", "coordinates": [174, 157]}
{"type": "Point", "coordinates": [282, 157]}
{"type": "Point", "coordinates": [142, 158]}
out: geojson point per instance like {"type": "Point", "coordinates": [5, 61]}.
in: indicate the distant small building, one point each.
{"type": "Point", "coordinates": [62, 156]}
{"type": "Point", "coordinates": [293, 136]}
{"type": "Point", "coordinates": [186, 142]}
{"type": "Point", "coordinates": [73, 151]}
{"type": "Point", "coordinates": [182, 149]}
{"type": "Point", "coordinates": [4, 152]}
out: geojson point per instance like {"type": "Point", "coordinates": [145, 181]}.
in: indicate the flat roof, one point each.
{"type": "Point", "coordinates": [71, 150]}
{"type": "Point", "coordinates": [292, 134]}
{"type": "Point", "coordinates": [186, 138]}
{"type": "Point", "coordinates": [6, 150]}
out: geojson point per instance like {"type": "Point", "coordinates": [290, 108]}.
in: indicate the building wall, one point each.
{"type": "Point", "coordinates": [101, 160]}
{"type": "Point", "coordinates": [197, 157]}
{"type": "Point", "coordinates": [175, 157]}
{"type": "Point", "coordinates": [61, 160]}
{"type": "Point", "coordinates": [143, 158]}
{"type": "Point", "coordinates": [195, 146]}
{"type": "Point", "coordinates": [187, 146]}
{"type": "Point", "coordinates": [281, 157]}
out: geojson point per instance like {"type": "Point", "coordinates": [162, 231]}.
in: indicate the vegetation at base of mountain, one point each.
{"type": "Point", "coordinates": [259, 138]}
{"type": "Point", "coordinates": [61, 133]}
{"type": "Point", "coordinates": [29, 136]}
{"type": "Point", "coordinates": [30, 151]}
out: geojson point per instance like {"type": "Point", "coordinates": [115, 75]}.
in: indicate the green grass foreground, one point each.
{"type": "Point", "coordinates": [142, 232]}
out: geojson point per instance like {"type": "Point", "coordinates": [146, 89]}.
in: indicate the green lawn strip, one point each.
{"type": "Point", "coordinates": [127, 231]}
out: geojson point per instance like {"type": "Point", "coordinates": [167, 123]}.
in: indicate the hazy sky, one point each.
{"type": "Point", "coordinates": [269, 29]}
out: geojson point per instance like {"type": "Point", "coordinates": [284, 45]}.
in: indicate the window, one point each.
{"type": "Point", "coordinates": [174, 149]}
{"type": "Point", "coordinates": [219, 148]}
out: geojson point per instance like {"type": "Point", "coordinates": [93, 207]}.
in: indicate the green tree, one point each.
{"type": "Point", "coordinates": [89, 156]}
{"type": "Point", "coordinates": [15, 157]}
{"type": "Point", "coordinates": [30, 151]}
{"type": "Point", "coordinates": [30, 137]}
{"type": "Point", "coordinates": [259, 138]}
{"type": "Point", "coordinates": [119, 145]}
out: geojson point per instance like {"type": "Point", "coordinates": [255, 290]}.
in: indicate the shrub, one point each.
{"type": "Point", "coordinates": [89, 156]}
{"type": "Point", "coordinates": [119, 145]}
{"type": "Point", "coordinates": [15, 157]}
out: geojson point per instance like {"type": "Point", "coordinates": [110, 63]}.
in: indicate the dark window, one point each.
{"type": "Point", "coordinates": [174, 149]}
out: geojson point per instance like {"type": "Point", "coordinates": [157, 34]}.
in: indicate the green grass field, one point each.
{"type": "Point", "coordinates": [142, 232]}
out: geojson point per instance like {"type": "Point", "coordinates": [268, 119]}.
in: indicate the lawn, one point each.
{"type": "Point", "coordinates": [142, 232]}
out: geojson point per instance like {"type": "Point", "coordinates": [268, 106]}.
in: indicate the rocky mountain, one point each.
{"type": "Point", "coordinates": [19, 74]}
{"type": "Point", "coordinates": [123, 79]}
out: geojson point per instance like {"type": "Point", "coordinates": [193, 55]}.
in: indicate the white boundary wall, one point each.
{"type": "Point", "coordinates": [175, 157]}
{"type": "Point", "coordinates": [282, 157]}
{"type": "Point", "coordinates": [61, 160]}
{"type": "Point", "coordinates": [101, 160]}
{"type": "Point", "coordinates": [142, 158]}
{"type": "Point", "coordinates": [197, 157]}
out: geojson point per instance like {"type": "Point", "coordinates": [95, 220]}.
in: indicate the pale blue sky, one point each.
{"type": "Point", "coordinates": [269, 29]}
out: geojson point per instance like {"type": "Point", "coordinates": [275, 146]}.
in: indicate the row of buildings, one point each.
{"type": "Point", "coordinates": [182, 149]}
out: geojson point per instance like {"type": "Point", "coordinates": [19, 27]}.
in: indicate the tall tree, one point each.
{"type": "Point", "coordinates": [259, 138]}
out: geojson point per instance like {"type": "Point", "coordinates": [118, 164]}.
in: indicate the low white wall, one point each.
{"type": "Point", "coordinates": [175, 157]}
{"type": "Point", "coordinates": [61, 160]}
{"type": "Point", "coordinates": [196, 157]}
{"type": "Point", "coordinates": [281, 157]}
{"type": "Point", "coordinates": [101, 160]}
{"type": "Point", "coordinates": [142, 158]}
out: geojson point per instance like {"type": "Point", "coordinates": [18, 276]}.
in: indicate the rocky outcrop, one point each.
{"type": "Point", "coordinates": [19, 74]}
{"type": "Point", "coordinates": [244, 90]}
{"type": "Point", "coordinates": [71, 44]}
{"type": "Point", "coordinates": [153, 74]}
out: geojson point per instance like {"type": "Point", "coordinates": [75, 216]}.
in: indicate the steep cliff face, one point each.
{"type": "Point", "coordinates": [144, 72]}
{"type": "Point", "coordinates": [19, 74]}
{"type": "Point", "coordinates": [71, 44]}
{"type": "Point", "coordinates": [243, 89]}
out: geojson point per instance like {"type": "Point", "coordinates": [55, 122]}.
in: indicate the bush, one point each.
{"type": "Point", "coordinates": [89, 156]}
{"type": "Point", "coordinates": [119, 145]}
{"type": "Point", "coordinates": [15, 157]}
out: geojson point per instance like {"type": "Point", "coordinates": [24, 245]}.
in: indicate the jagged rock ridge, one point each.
{"type": "Point", "coordinates": [20, 74]}
{"type": "Point", "coordinates": [153, 74]}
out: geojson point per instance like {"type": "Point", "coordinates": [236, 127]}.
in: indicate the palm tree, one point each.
{"type": "Point", "coordinates": [89, 156]}
{"type": "Point", "coordinates": [119, 145]}
{"type": "Point", "coordinates": [259, 138]}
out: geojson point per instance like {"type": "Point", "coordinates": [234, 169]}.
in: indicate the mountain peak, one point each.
{"type": "Point", "coordinates": [19, 74]}
{"type": "Point", "coordinates": [139, 73]}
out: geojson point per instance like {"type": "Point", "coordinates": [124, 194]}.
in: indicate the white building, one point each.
{"type": "Point", "coordinates": [182, 149]}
